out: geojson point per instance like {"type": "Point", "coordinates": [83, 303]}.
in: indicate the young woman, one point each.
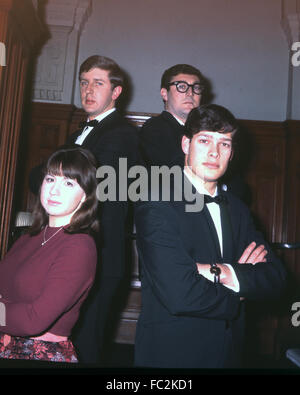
{"type": "Point", "coordinates": [48, 272]}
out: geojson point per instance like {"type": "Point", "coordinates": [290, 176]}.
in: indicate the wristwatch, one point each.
{"type": "Point", "coordinates": [214, 269]}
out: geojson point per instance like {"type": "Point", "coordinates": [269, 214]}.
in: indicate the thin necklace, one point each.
{"type": "Point", "coordinates": [45, 241]}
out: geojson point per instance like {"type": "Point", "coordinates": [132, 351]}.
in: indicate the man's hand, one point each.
{"type": "Point", "coordinates": [253, 254]}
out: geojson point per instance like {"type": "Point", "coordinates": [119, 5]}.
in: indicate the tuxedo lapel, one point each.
{"type": "Point", "coordinates": [98, 131]}
{"type": "Point", "coordinates": [73, 137]}
{"type": "Point", "coordinates": [212, 232]}
{"type": "Point", "coordinates": [176, 125]}
{"type": "Point", "coordinates": [201, 224]}
{"type": "Point", "coordinates": [200, 236]}
{"type": "Point", "coordinates": [235, 227]}
{"type": "Point", "coordinates": [92, 138]}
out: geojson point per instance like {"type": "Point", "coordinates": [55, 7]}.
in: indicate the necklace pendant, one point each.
{"type": "Point", "coordinates": [45, 241]}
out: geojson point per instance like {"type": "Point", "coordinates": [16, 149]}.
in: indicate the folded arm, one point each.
{"type": "Point", "coordinates": [172, 272]}
{"type": "Point", "coordinates": [252, 255]}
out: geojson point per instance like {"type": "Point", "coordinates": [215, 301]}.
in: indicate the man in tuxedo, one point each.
{"type": "Point", "coordinates": [109, 137]}
{"type": "Point", "coordinates": [160, 136]}
{"type": "Point", "coordinates": [198, 266]}
{"type": "Point", "coordinates": [182, 88]}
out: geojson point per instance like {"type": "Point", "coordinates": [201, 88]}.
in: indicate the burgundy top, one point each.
{"type": "Point", "coordinates": [43, 287]}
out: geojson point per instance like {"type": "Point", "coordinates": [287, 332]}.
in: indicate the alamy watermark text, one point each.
{"type": "Point", "coordinates": [296, 56]}
{"type": "Point", "coordinates": [141, 184]}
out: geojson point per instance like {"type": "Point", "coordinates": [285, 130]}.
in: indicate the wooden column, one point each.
{"type": "Point", "coordinates": [20, 31]}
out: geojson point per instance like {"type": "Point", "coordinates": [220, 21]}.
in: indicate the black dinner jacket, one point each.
{"type": "Point", "coordinates": [112, 139]}
{"type": "Point", "coordinates": [160, 141]}
{"type": "Point", "coordinates": [187, 321]}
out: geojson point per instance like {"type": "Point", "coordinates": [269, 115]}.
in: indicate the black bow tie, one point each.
{"type": "Point", "coordinates": [217, 199]}
{"type": "Point", "coordinates": [92, 123]}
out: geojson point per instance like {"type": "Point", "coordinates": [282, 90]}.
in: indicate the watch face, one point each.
{"type": "Point", "coordinates": [216, 271]}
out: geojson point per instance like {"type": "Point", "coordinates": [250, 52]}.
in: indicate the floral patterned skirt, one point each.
{"type": "Point", "coordinates": [12, 347]}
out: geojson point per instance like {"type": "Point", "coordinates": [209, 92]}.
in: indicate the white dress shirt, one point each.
{"type": "Point", "coordinates": [178, 120]}
{"type": "Point", "coordinates": [214, 210]}
{"type": "Point", "coordinates": [86, 131]}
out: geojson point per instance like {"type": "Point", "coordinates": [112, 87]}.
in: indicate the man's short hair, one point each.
{"type": "Point", "coordinates": [179, 69]}
{"type": "Point", "coordinates": [210, 117]}
{"type": "Point", "coordinates": [115, 74]}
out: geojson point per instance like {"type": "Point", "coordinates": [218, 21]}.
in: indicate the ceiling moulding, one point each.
{"type": "Point", "coordinates": [56, 64]}
{"type": "Point", "coordinates": [290, 20]}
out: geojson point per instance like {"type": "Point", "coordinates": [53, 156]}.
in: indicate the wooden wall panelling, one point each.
{"type": "Point", "coordinates": [47, 130]}
{"type": "Point", "coordinates": [77, 116]}
{"type": "Point", "coordinates": [266, 175]}
{"type": "Point", "coordinates": [266, 178]}
{"type": "Point", "coordinates": [292, 206]}
{"type": "Point", "coordinates": [288, 336]}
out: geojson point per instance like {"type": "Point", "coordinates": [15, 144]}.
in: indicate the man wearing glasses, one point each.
{"type": "Point", "coordinates": [160, 137]}
{"type": "Point", "coordinates": [182, 87]}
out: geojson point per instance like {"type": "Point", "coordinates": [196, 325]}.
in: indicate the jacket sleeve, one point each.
{"type": "Point", "coordinates": [159, 145]}
{"type": "Point", "coordinates": [170, 271]}
{"type": "Point", "coordinates": [264, 280]}
{"type": "Point", "coordinates": [118, 144]}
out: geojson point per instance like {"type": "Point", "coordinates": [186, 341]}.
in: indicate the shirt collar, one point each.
{"type": "Point", "coordinates": [104, 114]}
{"type": "Point", "coordinates": [177, 119]}
{"type": "Point", "coordinates": [199, 186]}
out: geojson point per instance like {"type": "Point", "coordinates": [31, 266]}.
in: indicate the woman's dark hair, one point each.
{"type": "Point", "coordinates": [115, 74]}
{"type": "Point", "coordinates": [210, 117]}
{"type": "Point", "coordinates": [80, 165]}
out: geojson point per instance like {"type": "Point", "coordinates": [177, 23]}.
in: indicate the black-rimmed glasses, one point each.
{"type": "Point", "coordinates": [183, 86]}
